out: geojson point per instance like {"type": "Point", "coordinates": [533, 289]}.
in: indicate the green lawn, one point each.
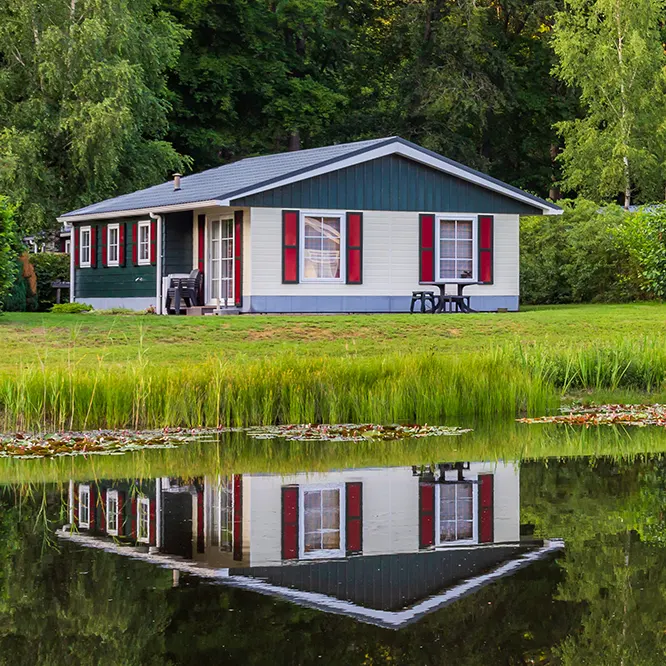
{"type": "Point", "coordinates": [27, 338]}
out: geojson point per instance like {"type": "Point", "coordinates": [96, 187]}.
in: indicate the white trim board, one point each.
{"type": "Point", "coordinates": [134, 212]}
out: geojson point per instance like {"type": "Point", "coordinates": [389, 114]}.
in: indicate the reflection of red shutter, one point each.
{"type": "Point", "coordinates": [152, 538]}
{"type": "Point", "coordinates": [77, 249]}
{"type": "Point", "coordinates": [135, 243]}
{"type": "Point", "coordinates": [201, 536]}
{"type": "Point", "coordinates": [105, 241]}
{"type": "Point", "coordinates": [426, 248]}
{"type": "Point", "coordinates": [426, 515]}
{"type": "Point", "coordinates": [238, 258]}
{"type": "Point", "coordinates": [290, 246]}
{"type": "Point", "coordinates": [354, 511]}
{"type": "Point", "coordinates": [104, 518]}
{"type": "Point", "coordinates": [354, 248]}
{"type": "Point", "coordinates": [121, 517]}
{"type": "Point", "coordinates": [201, 249]}
{"type": "Point", "coordinates": [121, 244]}
{"type": "Point", "coordinates": [290, 522]}
{"type": "Point", "coordinates": [238, 517]}
{"type": "Point", "coordinates": [486, 512]}
{"type": "Point", "coordinates": [92, 509]}
{"type": "Point", "coordinates": [153, 242]}
{"type": "Point", "coordinates": [76, 504]}
{"type": "Point", "coordinates": [93, 247]}
{"type": "Point", "coordinates": [486, 249]}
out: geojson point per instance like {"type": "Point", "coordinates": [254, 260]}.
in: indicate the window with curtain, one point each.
{"type": "Point", "coordinates": [456, 512]}
{"type": "Point", "coordinates": [113, 231]}
{"type": "Point", "coordinates": [456, 250]}
{"type": "Point", "coordinates": [322, 511]}
{"type": "Point", "coordinates": [322, 247]}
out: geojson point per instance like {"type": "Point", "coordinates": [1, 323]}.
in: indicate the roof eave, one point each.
{"type": "Point", "coordinates": [133, 212]}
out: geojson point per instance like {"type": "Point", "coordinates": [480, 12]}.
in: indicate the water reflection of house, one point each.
{"type": "Point", "coordinates": [376, 544]}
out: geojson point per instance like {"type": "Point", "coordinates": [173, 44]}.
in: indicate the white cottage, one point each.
{"type": "Point", "coordinates": [347, 228]}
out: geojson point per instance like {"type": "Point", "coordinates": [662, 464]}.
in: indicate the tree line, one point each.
{"type": "Point", "coordinates": [101, 97]}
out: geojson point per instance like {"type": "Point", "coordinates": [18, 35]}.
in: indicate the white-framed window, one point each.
{"type": "Point", "coordinates": [112, 518]}
{"type": "Point", "coordinates": [322, 247]}
{"type": "Point", "coordinates": [143, 520]}
{"type": "Point", "coordinates": [456, 249]}
{"type": "Point", "coordinates": [456, 513]}
{"type": "Point", "coordinates": [113, 245]}
{"type": "Point", "coordinates": [84, 247]}
{"type": "Point", "coordinates": [68, 245]}
{"type": "Point", "coordinates": [321, 521]}
{"type": "Point", "coordinates": [84, 506]}
{"type": "Point", "coordinates": [143, 239]}
{"type": "Point", "coordinates": [221, 514]}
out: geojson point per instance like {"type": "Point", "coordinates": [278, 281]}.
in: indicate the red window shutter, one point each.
{"type": "Point", "coordinates": [201, 537]}
{"type": "Point", "coordinates": [153, 242]}
{"type": "Point", "coordinates": [238, 258]}
{"type": "Point", "coordinates": [102, 526]}
{"type": "Point", "coordinates": [426, 515]}
{"type": "Point", "coordinates": [426, 248]}
{"type": "Point", "coordinates": [486, 509]}
{"type": "Point", "coordinates": [135, 244]}
{"type": "Point", "coordinates": [153, 522]}
{"type": "Point", "coordinates": [93, 247]}
{"type": "Point", "coordinates": [238, 517]}
{"type": "Point", "coordinates": [76, 504]}
{"type": "Point", "coordinates": [105, 248]}
{"type": "Point", "coordinates": [354, 248]}
{"type": "Point", "coordinates": [354, 518]}
{"type": "Point", "coordinates": [290, 246]}
{"type": "Point", "coordinates": [486, 249]}
{"type": "Point", "coordinates": [201, 253]}
{"type": "Point", "coordinates": [121, 244]}
{"type": "Point", "coordinates": [77, 246]}
{"type": "Point", "coordinates": [133, 518]}
{"type": "Point", "coordinates": [92, 511]}
{"type": "Point", "coordinates": [290, 522]}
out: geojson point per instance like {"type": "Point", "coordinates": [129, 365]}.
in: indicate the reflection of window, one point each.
{"type": "Point", "coordinates": [322, 240]}
{"type": "Point", "coordinates": [222, 514]}
{"type": "Point", "coordinates": [84, 506]}
{"type": "Point", "coordinates": [455, 512]}
{"type": "Point", "coordinates": [143, 520]}
{"type": "Point", "coordinates": [112, 512]}
{"type": "Point", "coordinates": [143, 253]}
{"type": "Point", "coordinates": [456, 250]}
{"type": "Point", "coordinates": [113, 237]}
{"type": "Point", "coordinates": [84, 247]}
{"type": "Point", "coordinates": [321, 511]}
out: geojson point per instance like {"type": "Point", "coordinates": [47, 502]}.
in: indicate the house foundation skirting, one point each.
{"type": "Point", "coordinates": [130, 303]}
{"type": "Point", "coordinates": [328, 304]}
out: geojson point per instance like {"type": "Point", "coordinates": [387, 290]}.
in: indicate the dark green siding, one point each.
{"type": "Point", "coordinates": [388, 183]}
{"type": "Point", "coordinates": [178, 242]}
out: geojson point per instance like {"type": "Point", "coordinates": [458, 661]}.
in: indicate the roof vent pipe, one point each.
{"type": "Point", "coordinates": [176, 181]}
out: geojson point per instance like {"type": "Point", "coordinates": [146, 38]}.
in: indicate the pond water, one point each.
{"type": "Point", "coordinates": [511, 545]}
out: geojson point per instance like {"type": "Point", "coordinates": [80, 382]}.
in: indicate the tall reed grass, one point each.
{"type": "Point", "coordinates": [415, 387]}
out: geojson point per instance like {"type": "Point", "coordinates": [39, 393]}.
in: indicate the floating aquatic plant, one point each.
{"type": "Point", "coordinates": [631, 415]}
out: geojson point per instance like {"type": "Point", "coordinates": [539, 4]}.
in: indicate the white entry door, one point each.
{"type": "Point", "coordinates": [221, 273]}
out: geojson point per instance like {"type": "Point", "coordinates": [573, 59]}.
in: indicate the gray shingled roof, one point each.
{"type": "Point", "coordinates": [233, 180]}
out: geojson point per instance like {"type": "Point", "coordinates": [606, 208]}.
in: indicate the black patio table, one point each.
{"type": "Point", "coordinates": [458, 300]}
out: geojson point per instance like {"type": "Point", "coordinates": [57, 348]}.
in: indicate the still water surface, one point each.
{"type": "Point", "coordinates": [492, 548]}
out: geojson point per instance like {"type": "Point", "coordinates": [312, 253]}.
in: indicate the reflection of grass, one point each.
{"type": "Point", "coordinates": [235, 453]}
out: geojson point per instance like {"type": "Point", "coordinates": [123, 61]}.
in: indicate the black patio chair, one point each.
{"type": "Point", "coordinates": [189, 289]}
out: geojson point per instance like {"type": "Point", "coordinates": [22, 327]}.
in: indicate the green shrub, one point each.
{"type": "Point", "coordinates": [10, 247]}
{"type": "Point", "coordinates": [49, 267]}
{"type": "Point", "coordinates": [71, 308]}
{"type": "Point", "coordinates": [17, 298]}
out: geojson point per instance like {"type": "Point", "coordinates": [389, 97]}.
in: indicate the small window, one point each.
{"type": "Point", "coordinates": [112, 512]}
{"type": "Point", "coordinates": [143, 520]}
{"type": "Point", "coordinates": [321, 522]}
{"type": "Point", "coordinates": [84, 247]}
{"type": "Point", "coordinates": [68, 245]}
{"type": "Point", "coordinates": [113, 244]}
{"type": "Point", "coordinates": [84, 506]}
{"type": "Point", "coordinates": [456, 250]}
{"type": "Point", "coordinates": [221, 514]}
{"type": "Point", "coordinates": [322, 242]}
{"type": "Point", "coordinates": [144, 239]}
{"type": "Point", "coordinates": [455, 512]}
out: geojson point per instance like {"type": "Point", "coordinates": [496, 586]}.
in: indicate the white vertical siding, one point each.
{"type": "Point", "coordinates": [390, 257]}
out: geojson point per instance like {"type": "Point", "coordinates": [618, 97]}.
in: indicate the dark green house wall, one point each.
{"type": "Point", "coordinates": [388, 183]}
{"type": "Point", "coordinates": [177, 242]}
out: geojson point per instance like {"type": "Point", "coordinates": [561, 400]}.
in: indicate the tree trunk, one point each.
{"type": "Point", "coordinates": [294, 140]}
